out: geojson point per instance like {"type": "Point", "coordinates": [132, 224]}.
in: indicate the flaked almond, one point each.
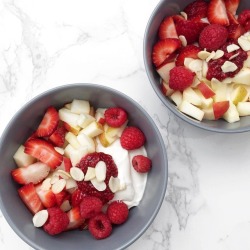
{"type": "Point", "coordinates": [228, 67]}
{"type": "Point", "coordinates": [59, 150]}
{"type": "Point", "coordinates": [211, 56]}
{"type": "Point", "coordinates": [40, 218]}
{"type": "Point", "coordinates": [70, 183]}
{"type": "Point", "coordinates": [183, 40]}
{"type": "Point", "coordinates": [233, 56]}
{"type": "Point", "coordinates": [203, 55]}
{"type": "Point", "coordinates": [90, 174]}
{"type": "Point", "coordinates": [100, 186]}
{"type": "Point", "coordinates": [100, 171]}
{"type": "Point", "coordinates": [58, 186]}
{"type": "Point", "coordinates": [77, 174]}
{"type": "Point", "coordinates": [232, 47]}
{"type": "Point", "coordinates": [65, 175]}
{"type": "Point", "coordinates": [65, 206]}
{"type": "Point", "coordinates": [114, 184]}
{"type": "Point", "coordinates": [244, 43]}
{"type": "Point", "coordinates": [54, 178]}
{"type": "Point", "coordinates": [46, 184]}
{"type": "Point", "coordinates": [218, 54]}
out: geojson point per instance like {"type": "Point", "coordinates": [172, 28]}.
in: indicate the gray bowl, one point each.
{"type": "Point", "coordinates": [167, 8]}
{"type": "Point", "coordinates": [26, 120]}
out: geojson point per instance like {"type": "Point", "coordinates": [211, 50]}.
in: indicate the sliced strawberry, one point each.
{"type": "Point", "coordinates": [49, 123]}
{"type": "Point", "coordinates": [75, 219]}
{"type": "Point", "coordinates": [220, 108]}
{"type": "Point", "coordinates": [244, 19]}
{"type": "Point", "coordinates": [235, 31]}
{"type": "Point", "coordinates": [217, 12]}
{"type": "Point", "coordinates": [77, 197]}
{"type": "Point", "coordinates": [30, 198]}
{"type": "Point", "coordinates": [43, 151]}
{"type": "Point", "coordinates": [177, 18]}
{"type": "Point", "coordinates": [58, 136]}
{"type": "Point", "coordinates": [232, 18]}
{"type": "Point", "coordinates": [167, 29]}
{"type": "Point", "coordinates": [34, 173]}
{"type": "Point", "coordinates": [163, 49]}
{"type": "Point", "coordinates": [196, 10]}
{"type": "Point", "coordinates": [190, 51]}
{"type": "Point", "coordinates": [232, 5]}
{"type": "Point", "coordinates": [47, 197]}
{"type": "Point", "coordinates": [61, 197]}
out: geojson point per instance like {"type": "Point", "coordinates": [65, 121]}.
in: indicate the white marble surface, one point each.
{"type": "Point", "coordinates": [47, 43]}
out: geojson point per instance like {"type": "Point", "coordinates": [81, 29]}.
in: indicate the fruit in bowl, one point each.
{"type": "Point", "coordinates": [72, 165]}
{"type": "Point", "coordinates": [199, 53]}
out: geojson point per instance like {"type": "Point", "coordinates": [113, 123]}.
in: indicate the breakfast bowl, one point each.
{"type": "Point", "coordinates": [23, 124]}
{"type": "Point", "coordinates": [222, 124]}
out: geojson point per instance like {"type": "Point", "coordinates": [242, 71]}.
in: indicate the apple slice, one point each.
{"type": "Point", "coordinates": [99, 114]}
{"type": "Point", "coordinates": [75, 155]}
{"type": "Point", "coordinates": [220, 89]}
{"type": "Point", "coordinates": [208, 113]}
{"type": "Point", "coordinates": [239, 94]}
{"type": "Point", "coordinates": [177, 97]}
{"type": "Point", "coordinates": [80, 107]}
{"type": "Point", "coordinates": [86, 141]}
{"type": "Point", "coordinates": [220, 108]}
{"type": "Point", "coordinates": [205, 102]}
{"type": "Point", "coordinates": [191, 96]}
{"type": "Point", "coordinates": [163, 71]}
{"type": "Point", "coordinates": [243, 108]}
{"type": "Point", "coordinates": [93, 129]}
{"type": "Point", "coordinates": [166, 90]}
{"type": "Point", "coordinates": [74, 129]}
{"type": "Point", "coordinates": [67, 116]}
{"type": "Point", "coordinates": [72, 140]}
{"type": "Point", "coordinates": [106, 140]}
{"type": "Point", "coordinates": [84, 120]}
{"type": "Point", "coordinates": [22, 159]}
{"type": "Point", "coordinates": [232, 114]}
{"type": "Point", "coordinates": [242, 76]}
{"type": "Point", "coordinates": [115, 132]}
{"type": "Point", "coordinates": [191, 110]}
{"type": "Point", "coordinates": [206, 91]}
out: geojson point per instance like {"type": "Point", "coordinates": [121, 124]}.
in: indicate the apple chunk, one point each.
{"type": "Point", "coordinates": [206, 91]}
{"type": "Point", "coordinates": [191, 110]}
{"type": "Point", "coordinates": [243, 108]}
{"type": "Point", "coordinates": [220, 108]}
{"type": "Point", "coordinates": [164, 71]}
{"type": "Point", "coordinates": [232, 114]}
{"type": "Point", "coordinates": [22, 159]}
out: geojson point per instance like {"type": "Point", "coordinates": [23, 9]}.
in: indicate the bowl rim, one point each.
{"type": "Point", "coordinates": [134, 103]}
{"type": "Point", "coordinates": [170, 106]}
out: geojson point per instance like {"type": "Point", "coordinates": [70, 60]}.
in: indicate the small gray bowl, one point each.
{"type": "Point", "coordinates": [26, 120]}
{"type": "Point", "coordinates": [168, 8]}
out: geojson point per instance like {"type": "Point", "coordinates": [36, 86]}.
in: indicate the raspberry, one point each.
{"type": "Point", "coordinates": [213, 37]}
{"type": "Point", "coordinates": [196, 10]}
{"type": "Point", "coordinates": [141, 164]}
{"type": "Point", "coordinates": [190, 29]}
{"type": "Point", "coordinates": [180, 78]}
{"type": "Point", "coordinates": [90, 206]}
{"type": "Point", "coordinates": [100, 226]}
{"type": "Point", "coordinates": [132, 138]}
{"type": "Point", "coordinates": [117, 212]}
{"type": "Point", "coordinates": [76, 197]}
{"type": "Point", "coordinates": [244, 19]}
{"type": "Point", "coordinates": [190, 51]}
{"type": "Point", "coordinates": [115, 117]}
{"type": "Point", "coordinates": [57, 221]}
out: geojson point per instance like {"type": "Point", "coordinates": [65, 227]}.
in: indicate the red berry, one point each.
{"type": "Point", "coordinates": [213, 37]}
{"type": "Point", "coordinates": [141, 163]}
{"type": "Point", "coordinates": [190, 51]}
{"type": "Point", "coordinates": [76, 197]}
{"type": "Point", "coordinates": [196, 10]}
{"type": "Point", "coordinates": [57, 221]}
{"type": "Point", "coordinates": [115, 117]}
{"type": "Point", "coordinates": [132, 138]}
{"type": "Point", "coordinates": [58, 136]}
{"type": "Point", "coordinates": [244, 17]}
{"type": "Point", "coordinates": [90, 206]}
{"type": "Point", "coordinates": [180, 78]}
{"type": "Point", "coordinates": [117, 212]}
{"type": "Point", "coordinates": [100, 226]}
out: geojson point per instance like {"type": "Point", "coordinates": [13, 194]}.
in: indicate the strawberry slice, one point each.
{"type": "Point", "coordinates": [167, 29]}
{"type": "Point", "coordinates": [217, 12]}
{"type": "Point", "coordinates": [190, 51]}
{"type": "Point", "coordinates": [232, 18]}
{"type": "Point", "coordinates": [49, 123]}
{"type": "Point", "coordinates": [58, 136]}
{"type": "Point", "coordinates": [77, 197]}
{"type": "Point", "coordinates": [163, 49]}
{"type": "Point", "coordinates": [196, 10]}
{"type": "Point", "coordinates": [47, 197]}
{"type": "Point", "coordinates": [67, 164]}
{"type": "Point", "coordinates": [75, 219]}
{"type": "Point", "coordinates": [34, 173]}
{"type": "Point", "coordinates": [30, 198]}
{"type": "Point", "coordinates": [232, 5]}
{"type": "Point", "coordinates": [43, 151]}
{"type": "Point", "coordinates": [235, 31]}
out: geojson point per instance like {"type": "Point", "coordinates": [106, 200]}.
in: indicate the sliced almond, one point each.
{"type": "Point", "coordinates": [100, 186]}
{"type": "Point", "coordinates": [46, 185]}
{"type": "Point", "coordinates": [100, 171]}
{"type": "Point", "coordinates": [40, 218]}
{"type": "Point", "coordinates": [58, 186]}
{"type": "Point", "coordinates": [54, 179]}
{"type": "Point", "coordinates": [203, 55]}
{"type": "Point", "coordinates": [184, 14]}
{"type": "Point", "coordinates": [59, 150]}
{"type": "Point", "coordinates": [77, 174]}
{"type": "Point", "coordinates": [65, 175]}
{"type": "Point", "coordinates": [211, 56]}
{"type": "Point", "coordinates": [229, 67]}
{"type": "Point", "coordinates": [233, 56]}
{"type": "Point", "coordinates": [183, 40]}
{"type": "Point", "coordinates": [232, 47]}
{"type": "Point", "coordinates": [65, 206]}
{"type": "Point", "coordinates": [70, 183]}
{"type": "Point", "coordinates": [114, 184]}
{"type": "Point", "coordinates": [244, 43]}
{"type": "Point", "coordinates": [218, 54]}
{"type": "Point", "coordinates": [90, 174]}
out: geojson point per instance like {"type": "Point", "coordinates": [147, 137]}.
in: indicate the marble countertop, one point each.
{"type": "Point", "coordinates": [48, 43]}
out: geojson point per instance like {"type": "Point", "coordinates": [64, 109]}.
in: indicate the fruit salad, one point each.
{"type": "Point", "coordinates": [203, 58]}
{"type": "Point", "coordinates": [82, 168]}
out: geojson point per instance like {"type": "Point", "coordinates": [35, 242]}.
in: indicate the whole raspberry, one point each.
{"type": "Point", "coordinates": [57, 221]}
{"type": "Point", "coordinates": [132, 138]}
{"type": "Point", "coordinates": [180, 78]}
{"type": "Point", "coordinates": [115, 117]}
{"type": "Point", "coordinates": [141, 163]}
{"type": "Point", "coordinates": [213, 37]}
{"type": "Point", "coordinates": [117, 212]}
{"type": "Point", "coordinates": [100, 226]}
{"type": "Point", "coordinates": [90, 206]}
{"type": "Point", "coordinates": [76, 197]}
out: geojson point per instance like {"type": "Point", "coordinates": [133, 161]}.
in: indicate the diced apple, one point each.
{"type": "Point", "coordinates": [177, 97]}
{"type": "Point", "coordinates": [232, 114]}
{"type": "Point", "coordinates": [86, 141]}
{"type": "Point", "coordinates": [166, 90]}
{"type": "Point", "coordinates": [75, 155]}
{"type": "Point", "coordinates": [206, 91]}
{"type": "Point", "coordinates": [247, 62]}
{"type": "Point", "coordinates": [204, 68]}
{"type": "Point", "coordinates": [191, 110]}
{"type": "Point", "coordinates": [72, 140]}
{"type": "Point", "coordinates": [74, 129]}
{"type": "Point", "coordinates": [191, 96]}
{"type": "Point", "coordinates": [80, 106]}
{"type": "Point", "coordinates": [67, 106]}
{"type": "Point", "coordinates": [106, 140]}
{"type": "Point", "coordinates": [205, 102]}
{"type": "Point", "coordinates": [99, 114]}
{"type": "Point", "coordinates": [208, 113]}
{"type": "Point", "coordinates": [243, 76]}
{"type": "Point", "coordinates": [115, 132]}
{"type": "Point", "coordinates": [93, 129]}
{"type": "Point", "coordinates": [22, 159]}
{"type": "Point", "coordinates": [220, 108]}
{"type": "Point", "coordinates": [239, 94]}
{"type": "Point", "coordinates": [92, 111]}
{"type": "Point", "coordinates": [84, 120]}
{"type": "Point", "coordinates": [243, 108]}
{"type": "Point", "coordinates": [164, 71]}
{"type": "Point", "coordinates": [220, 90]}
{"type": "Point", "coordinates": [67, 116]}
{"type": "Point", "coordinates": [195, 82]}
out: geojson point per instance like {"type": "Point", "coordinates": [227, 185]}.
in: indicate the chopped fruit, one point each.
{"type": "Point", "coordinates": [167, 29]}
{"type": "Point", "coordinates": [235, 31]}
{"type": "Point", "coordinates": [100, 226]}
{"type": "Point", "coordinates": [196, 10]}
{"type": "Point", "coordinates": [43, 151]}
{"type": "Point", "coordinates": [163, 49]}
{"type": "Point", "coordinates": [22, 159]}
{"type": "Point", "coordinates": [80, 107]}
{"type": "Point", "coordinates": [232, 5]}
{"type": "Point", "coordinates": [34, 173]}
{"type": "Point", "coordinates": [58, 136]}
{"type": "Point", "coordinates": [206, 91]}
{"type": "Point", "coordinates": [180, 78]}
{"type": "Point", "coordinates": [49, 123]}
{"type": "Point", "coordinates": [117, 212]}
{"type": "Point", "coordinates": [90, 206]}
{"type": "Point", "coordinates": [190, 51]}
{"type": "Point", "coordinates": [70, 118]}
{"type": "Point", "coordinates": [190, 30]}
{"type": "Point", "coordinates": [115, 117]}
{"type": "Point", "coordinates": [132, 138]}
{"type": "Point", "coordinates": [191, 110]}
{"type": "Point", "coordinates": [75, 219]}
{"type": "Point", "coordinates": [232, 114]}
{"type": "Point", "coordinates": [141, 163]}
{"type": "Point", "coordinates": [67, 164]}
{"type": "Point", "coordinates": [243, 108]}
{"type": "Point", "coordinates": [77, 197]}
{"type": "Point", "coordinates": [93, 129]}
{"type": "Point", "coordinates": [220, 109]}
{"type": "Point", "coordinates": [164, 69]}
{"type": "Point", "coordinates": [105, 139]}
{"type": "Point", "coordinates": [244, 18]}
{"type": "Point", "coordinates": [191, 96]}
{"type": "Point", "coordinates": [74, 129]}
{"type": "Point", "coordinates": [57, 221]}
{"type": "Point", "coordinates": [239, 94]}
{"type": "Point", "coordinates": [166, 90]}
{"type": "Point", "coordinates": [213, 37]}
{"type": "Point", "coordinates": [61, 197]}
{"type": "Point", "coordinates": [217, 12]}
{"type": "Point", "coordinates": [47, 197]}
{"type": "Point", "coordinates": [30, 198]}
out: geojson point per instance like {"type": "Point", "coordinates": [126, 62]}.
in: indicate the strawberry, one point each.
{"type": "Point", "coordinates": [196, 10]}
{"type": "Point", "coordinates": [115, 116]}
{"type": "Point", "coordinates": [217, 12]}
{"type": "Point", "coordinates": [43, 151]}
{"type": "Point", "coordinates": [61, 197]}
{"type": "Point", "coordinates": [30, 198]}
{"type": "Point", "coordinates": [235, 31]}
{"type": "Point", "coordinates": [244, 19]}
{"type": "Point", "coordinates": [190, 51]}
{"type": "Point", "coordinates": [58, 136]}
{"type": "Point", "coordinates": [167, 29]}
{"type": "Point", "coordinates": [141, 163]}
{"type": "Point", "coordinates": [47, 197]}
{"type": "Point", "coordinates": [163, 49]}
{"type": "Point", "coordinates": [49, 123]}
{"type": "Point", "coordinates": [90, 206]}
{"type": "Point", "coordinates": [77, 197]}
{"type": "Point", "coordinates": [34, 173]}
{"type": "Point", "coordinates": [67, 164]}
{"type": "Point", "coordinates": [232, 5]}
{"type": "Point", "coordinates": [75, 219]}
{"type": "Point", "coordinates": [117, 212]}
{"type": "Point", "coordinates": [232, 18]}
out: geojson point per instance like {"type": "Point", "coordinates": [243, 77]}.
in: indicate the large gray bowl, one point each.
{"type": "Point", "coordinates": [167, 8]}
{"type": "Point", "coordinates": [26, 120]}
